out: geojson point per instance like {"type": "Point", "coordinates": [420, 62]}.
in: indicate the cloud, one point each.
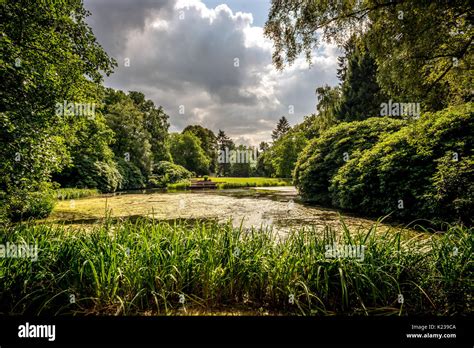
{"type": "Point", "coordinates": [212, 61]}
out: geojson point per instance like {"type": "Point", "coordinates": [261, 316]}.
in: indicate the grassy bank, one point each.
{"type": "Point", "coordinates": [75, 193]}
{"type": "Point", "coordinates": [251, 182]}
{"type": "Point", "coordinates": [148, 266]}
{"type": "Point", "coordinates": [231, 182]}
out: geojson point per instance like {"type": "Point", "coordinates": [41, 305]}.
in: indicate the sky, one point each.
{"type": "Point", "coordinates": [207, 62]}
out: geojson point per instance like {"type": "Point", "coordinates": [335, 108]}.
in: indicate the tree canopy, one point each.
{"type": "Point", "coordinates": [423, 49]}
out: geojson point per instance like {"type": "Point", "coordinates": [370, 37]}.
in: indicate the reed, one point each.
{"type": "Point", "coordinates": [150, 266]}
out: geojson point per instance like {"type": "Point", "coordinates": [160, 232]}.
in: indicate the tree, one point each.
{"type": "Point", "coordinates": [423, 49]}
{"type": "Point", "coordinates": [156, 124]}
{"type": "Point", "coordinates": [186, 151]}
{"type": "Point", "coordinates": [224, 143]}
{"type": "Point", "coordinates": [263, 146]}
{"type": "Point", "coordinates": [48, 55]}
{"type": "Point", "coordinates": [281, 129]}
{"type": "Point", "coordinates": [360, 94]}
{"type": "Point", "coordinates": [328, 99]}
{"type": "Point", "coordinates": [132, 140]}
{"type": "Point", "coordinates": [285, 153]}
{"type": "Point", "coordinates": [264, 166]}
{"type": "Point", "coordinates": [242, 161]}
{"type": "Point", "coordinates": [208, 143]}
{"type": "Point", "coordinates": [92, 160]}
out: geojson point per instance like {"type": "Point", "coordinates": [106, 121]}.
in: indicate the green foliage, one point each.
{"type": "Point", "coordinates": [285, 151]}
{"type": "Point", "coordinates": [224, 143]}
{"type": "Point", "coordinates": [264, 164]}
{"type": "Point", "coordinates": [412, 166]}
{"type": "Point", "coordinates": [132, 140]}
{"type": "Point", "coordinates": [242, 161]}
{"type": "Point", "coordinates": [186, 151]}
{"type": "Point", "coordinates": [90, 173]}
{"type": "Point", "coordinates": [23, 205]}
{"type": "Point", "coordinates": [48, 55]}
{"type": "Point", "coordinates": [423, 49]}
{"type": "Point", "coordinates": [279, 159]}
{"type": "Point", "coordinates": [132, 177]}
{"type": "Point", "coordinates": [156, 124]}
{"type": "Point", "coordinates": [281, 129]}
{"type": "Point", "coordinates": [328, 100]}
{"type": "Point", "coordinates": [135, 130]}
{"type": "Point", "coordinates": [165, 173]}
{"type": "Point", "coordinates": [143, 266]}
{"type": "Point", "coordinates": [451, 193]}
{"type": "Point", "coordinates": [74, 193]}
{"type": "Point", "coordinates": [323, 156]}
{"type": "Point", "coordinates": [236, 182]}
{"type": "Point", "coordinates": [360, 94]}
{"type": "Point", "coordinates": [208, 143]}
{"type": "Point", "coordinates": [250, 183]}
{"type": "Point", "coordinates": [181, 185]}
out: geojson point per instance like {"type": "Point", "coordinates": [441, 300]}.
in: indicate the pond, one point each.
{"type": "Point", "coordinates": [279, 208]}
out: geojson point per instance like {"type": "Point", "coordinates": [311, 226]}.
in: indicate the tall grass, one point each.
{"type": "Point", "coordinates": [75, 193]}
{"type": "Point", "coordinates": [146, 265]}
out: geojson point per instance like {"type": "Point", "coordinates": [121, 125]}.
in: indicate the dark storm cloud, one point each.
{"type": "Point", "coordinates": [184, 54]}
{"type": "Point", "coordinates": [112, 20]}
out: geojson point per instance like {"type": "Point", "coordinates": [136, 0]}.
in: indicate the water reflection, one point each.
{"type": "Point", "coordinates": [278, 207]}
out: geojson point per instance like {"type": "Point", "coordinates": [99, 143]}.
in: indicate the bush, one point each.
{"type": "Point", "coordinates": [323, 156]}
{"type": "Point", "coordinates": [409, 173]}
{"type": "Point", "coordinates": [132, 177]}
{"type": "Point", "coordinates": [451, 192]}
{"type": "Point", "coordinates": [22, 205]}
{"type": "Point", "coordinates": [165, 172]}
{"type": "Point", "coordinates": [3, 208]}
{"type": "Point", "coordinates": [91, 173]}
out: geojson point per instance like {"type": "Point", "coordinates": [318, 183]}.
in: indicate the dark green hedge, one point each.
{"type": "Point", "coordinates": [324, 155]}
{"type": "Point", "coordinates": [426, 166]}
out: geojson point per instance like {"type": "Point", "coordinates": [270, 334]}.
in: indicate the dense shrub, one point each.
{"type": "Point", "coordinates": [132, 177]}
{"type": "Point", "coordinates": [88, 172]}
{"type": "Point", "coordinates": [22, 205]}
{"type": "Point", "coordinates": [413, 172]}
{"type": "Point", "coordinates": [165, 172]}
{"type": "Point", "coordinates": [452, 191]}
{"type": "Point", "coordinates": [103, 176]}
{"type": "Point", "coordinates": [3, 208]}
{"type": "Point", "coordinates": [323, 156]}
